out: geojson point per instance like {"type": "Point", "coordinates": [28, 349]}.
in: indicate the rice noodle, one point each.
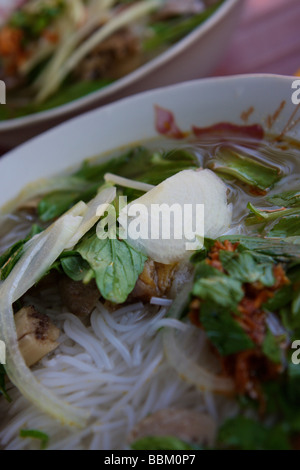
{"type": "Point", "coordinates": [117, 395]}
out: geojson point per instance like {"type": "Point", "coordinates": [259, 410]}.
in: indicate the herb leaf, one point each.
{"type": "Point", "coordinates": [285, 199]}
{"type": "Point", "coordinates": [244, 268]}
{"type": "Point", "coordinates": [34, 434]}
{"type": "Point", "coordinates": [286, 227]}
{"type": "Point", "coordinates": [270, 347]}
{"type": "Point", "coordinates": [246, 434]}
{"type": "Point", "coordinates": [247, 170]}
{"type": "Point", "coordinates": [12, 255]}
{"type": "Point", "coordinates": [223, 331]}
{"type": "Point", "coordinates": [116, 266]}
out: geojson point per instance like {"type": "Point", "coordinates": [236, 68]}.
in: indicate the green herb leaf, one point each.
{"type": "Point", "coordinates": [286, 227]}
{"type": "Point", "coordinates": [116, 266]}
{"type": "Point", "coordinates": [34, 434]}
{"type": "Point", "coordinates": [285, 199]}
{"type": "Point", "coordinates": [278, 249]}
{"type": "Point", "coordinates": [12, 255]}
{"type": "Point", "coordinates": [245, 169]}
{"type": "Point", "coordinates": [218, 288]}
{"type": "Point", "coordinates": [246, 434]}
{"type": "Point", "coordinates": [265, 217]}
{"type": "Point", "coordinates": [244, 268]}
{"type": "Point", "coordinates": [223, 330]}
{"type": "Point", "coordinates": [170, 31]}
{"type": "Point", "coordinates": [75, 267]}
{"type": "Point", "coordinates": [270, 347]}
{"type": "Point", "coordinates": [161, 443]}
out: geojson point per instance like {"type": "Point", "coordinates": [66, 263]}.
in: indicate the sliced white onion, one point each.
{"type": "Point", "coordinates": [185, 365]}
{"type": "Point", "coordinates": [127, 183]}
{"type": "Point", "coordinates": [95, 209]}
{"type": "Point", "coordinates": [38, 257]}
{"type": "Point", "coordinates": [183, 193]}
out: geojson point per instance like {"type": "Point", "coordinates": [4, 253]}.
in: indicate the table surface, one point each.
{"type": "Point", "coordinates": [267, 40]}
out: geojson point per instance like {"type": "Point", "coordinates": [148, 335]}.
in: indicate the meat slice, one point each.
{"type": "Point", "coordinates": [155, 281]}
{"type": "Point", "coordinates": [190, 426]}
{"type": "Point", "coordinates": [113, 58]}
{"type": "Point", "coordinates": [37, 336]}
{"type": "Point", "coordinates": [79, 298]}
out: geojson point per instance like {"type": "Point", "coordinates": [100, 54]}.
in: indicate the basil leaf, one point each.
{"type": "Point", "coordinates": [245, 169]}
{"type": "Point", "coordinates": [116, 266]}
{"type": "Point", "coordinates": [75, 267]}
{"type": "Point", "coordinates": [223, 330]}
{"type": "Point", "coordinates": [161, 443]}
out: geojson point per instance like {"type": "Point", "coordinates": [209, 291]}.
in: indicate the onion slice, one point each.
{"type": "Point", "coordinates": [39, 255]}
{"type": "Point", "coordinates": [186, 367]}
{"type": "Point", "coordinates": [127, 183]}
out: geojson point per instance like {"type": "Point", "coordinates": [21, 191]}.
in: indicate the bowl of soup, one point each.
{"type": "Point", "coordinates": [59, 59]}
{"type": "Point", "coordinates": [149, 264]}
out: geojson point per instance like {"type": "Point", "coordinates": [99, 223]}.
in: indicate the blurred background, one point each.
{"type": "Point", "coordinates": [266, 40]}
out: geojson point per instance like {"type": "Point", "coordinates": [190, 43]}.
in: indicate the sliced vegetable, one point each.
{"type": "Point", "coordinates": [187, 188]}
{"type": "Point", "coordinates": [36, 260]}
{"type": "Point", "coordinates": [229, 162]}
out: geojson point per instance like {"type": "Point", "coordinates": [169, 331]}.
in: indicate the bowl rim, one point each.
{"type": "Point", "coordinates": [109, 107]}
{"type": "Point", "coordinates": [14, 159]}
{"type": "Point", "coordinates": [129, 79]}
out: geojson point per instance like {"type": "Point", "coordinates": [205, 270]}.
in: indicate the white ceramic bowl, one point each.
{"type": "Point", "coordinates": [131, 120]}
{"type": "Point", "coordinates": [193, 57]}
